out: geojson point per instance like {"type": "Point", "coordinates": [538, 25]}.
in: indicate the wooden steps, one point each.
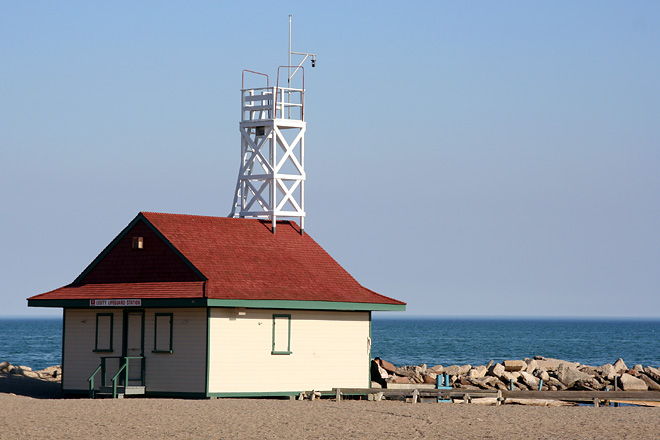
{"type": "Point", "coordinates": [131, 390]}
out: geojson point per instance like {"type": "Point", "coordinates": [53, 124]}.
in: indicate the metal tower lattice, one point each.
{"type": "Point", "coordinates": [271, 178]}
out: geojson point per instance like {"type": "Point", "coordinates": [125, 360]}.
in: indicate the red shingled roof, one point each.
{"type": "Point", "coordinates": [188, 256]}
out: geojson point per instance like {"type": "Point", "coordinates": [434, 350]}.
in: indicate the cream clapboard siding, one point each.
{"type": "Point", "coordinates": [183, 370]}
{"type": "Point", "coordinates": [79, 359]}
{"type": "Point", "coordinates": [328, 349]}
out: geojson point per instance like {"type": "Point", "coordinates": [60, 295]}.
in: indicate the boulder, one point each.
{"type": "Point", "coordinates": [410, 370]}
{"type": "Point", "coordinates": [551, 364]}
{"type": "Point", "coordinates": [20, 369]}
{"type": "Point", "coordinates": [652, 384]}
{"type": "Point", "coordinates": [5, 366]}
{"type": "Point", "coordinates": [465, 386]}
{"type": "Point", "coordinates": [620, 366]}
{"type": "Point", "coordinates": [457, 370]}
{"type": "Point", "coordinates": [464, 369]}
{"type": "Point", "coordinates": [529, 380]}
{"type": "Point", "coordinates": [51, 372]}
{"type": "Point", "coordinates": [388, 366]}
{"type": "Point", "coordinates": [541, 374]}
{"type": "Point", "coordinates": [607, 371]}
{"type": "Point", "coordinates": [653, 373]}
{"type": "Point", "coordinates": [556, 383]}
{"type": "Point", "coordinates": [417, 378]}
{"type": "Point", "coordinates": [477, 372]}
{"type": "Point", "coordinates": [429, 378]}
{"type": "Point", "coordinates": [438, 369]}
{"type": "Point", "coordinates": [400, 379]}
{"type": "Point", "coordinates": [639, 368]}
{"type": "Point", "coordinates": [583, 385]}
{"type": "Point", "coordinates": [591, 371]}
{"type": "Point", "coordinates": [514, 365]}
{"type": "Point", "coordinates": [531, 366]}
{"type": "Point", "coordinates": [496, 370]}
{"type": "Point", "coordinates": [486, 383]}
{"type": "Point", "coordinates": [32, 374]}
{"type": "Point", "coordinates": [507, 377]}
{"type": "Point", "coordinates": [569, 375]}
{"type": "Point", "coordinates": [631, 383]}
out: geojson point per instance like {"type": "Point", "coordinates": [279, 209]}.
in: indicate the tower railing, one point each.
{"type": "Point", "coordinates": [272, 103]}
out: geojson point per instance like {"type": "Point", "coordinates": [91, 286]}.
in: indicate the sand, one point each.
{"type": "Point", "coordinates": [36, 415]}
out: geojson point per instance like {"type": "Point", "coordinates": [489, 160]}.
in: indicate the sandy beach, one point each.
{"type": "Point", "coordinates": [31, 410]}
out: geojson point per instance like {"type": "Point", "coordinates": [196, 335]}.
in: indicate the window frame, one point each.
{"type": "Point", "coordinates": [288, 350]}
{"type": "Point", "coordinates": [111, 336]}
{"type": "Point", "coordinates": [156, 316]}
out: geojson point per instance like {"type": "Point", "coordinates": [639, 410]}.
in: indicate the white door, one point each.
{"type": "Point", "coordinates": [134, 343]}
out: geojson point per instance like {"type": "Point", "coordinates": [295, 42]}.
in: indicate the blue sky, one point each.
{"type": "Point", "coordinates": [469, 158]}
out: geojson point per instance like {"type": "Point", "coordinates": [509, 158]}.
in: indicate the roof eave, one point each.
{"type": "Point", "coordinates": [252, 304]}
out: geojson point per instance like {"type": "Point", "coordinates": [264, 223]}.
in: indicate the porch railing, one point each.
{"type": "Point", "coordinates": [124, 363]}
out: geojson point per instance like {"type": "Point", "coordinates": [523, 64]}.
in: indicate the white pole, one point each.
{"type": "Point", "coordinates": [289, 81]}
{"type": "Point", "coordinates": [289, 70]}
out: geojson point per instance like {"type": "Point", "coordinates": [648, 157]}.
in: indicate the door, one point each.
{"type": "Point", "coordinates": [134, 344]}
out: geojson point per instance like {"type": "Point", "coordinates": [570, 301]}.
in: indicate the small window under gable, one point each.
{"type": "Point", "coordinates": [281, 334]}
{"type": "Point", "coordinates": [163, 332]}
{"type": "Point", "coordinates": [138, 243]}
{"type": "Point", "coordinates": [104, 323]}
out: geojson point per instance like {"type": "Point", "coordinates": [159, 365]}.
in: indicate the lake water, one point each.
{"type": "Point", "coordinates": [37, 343]}
{"type": "Point", "coordinates": [476, 341]}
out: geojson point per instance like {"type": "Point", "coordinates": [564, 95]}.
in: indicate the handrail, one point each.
{"type": "Point", "coordinates": [102, 368]}
{"type": "Point", "coordinates": [124, 368]}
{"type": "Point", "coordinates": [114, 379]}
{"type": "Point", "coordinates": [302, 97]}
{"type": "Point", "coordinates": [92, 392]}
{"type": "Point", "coordinates": [252, 71]}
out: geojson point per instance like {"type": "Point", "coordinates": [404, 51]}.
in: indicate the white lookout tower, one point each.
{"type": "Point", "coordinates": [271, 178]}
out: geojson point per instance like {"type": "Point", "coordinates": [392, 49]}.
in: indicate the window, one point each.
{"type": "Point", "coordinates": [163, 333]}
{"type": "Point", "coordinates": [103, 332]}
{"type": "Point", "coordinates": [281, 334]}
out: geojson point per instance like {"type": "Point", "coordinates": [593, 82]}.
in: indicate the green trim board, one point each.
{"type": "Point", "coordinates": [284, 320]}
{"type": "Point", "coordinates": [107, 346]}
{"type": "Point", "coordinates": [304, 305]}
{"type": "Point", "coordinates": [208, 350]}
{"type": "Point", "coordinates": [254, 304]}
{"type": "Point", "coordinates": [258, 394]}
{"type": "Point", "coordinates": [62, 358]}
{"type": "Point", "coordinates": [145, 303]}
{"type": "Point", "coordinates": [182, 394]}
{"type": "Point", "coordinates": [122, 234]}
{"type": "Point", "coordinates": [371, 341]}
{"type": "Point", "coordinates": [70, 392]}
{"type": "Point", "coordinates": [163, 346]}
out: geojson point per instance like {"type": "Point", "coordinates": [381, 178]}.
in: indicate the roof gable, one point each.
{"type": "Point", "coordinates": [157, 261]}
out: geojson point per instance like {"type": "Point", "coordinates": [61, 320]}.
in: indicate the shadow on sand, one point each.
{"type": "Point", "coordinates": [30, 387]}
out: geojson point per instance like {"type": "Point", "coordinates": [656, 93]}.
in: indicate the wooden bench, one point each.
{"type": "Point", "coordinates": [416, 393]}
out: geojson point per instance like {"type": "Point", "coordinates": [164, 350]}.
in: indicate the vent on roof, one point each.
{"type": "Point", "coordinates": [138, 242]}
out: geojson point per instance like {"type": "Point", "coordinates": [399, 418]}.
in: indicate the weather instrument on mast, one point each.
{"type": "Point", "coordinates": [271, 178]}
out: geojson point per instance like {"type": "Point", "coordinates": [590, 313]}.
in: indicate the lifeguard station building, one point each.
{"type": "Point", "coordinates": [250, 305]}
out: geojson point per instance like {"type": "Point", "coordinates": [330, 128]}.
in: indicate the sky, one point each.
{"type": "Point", "coordinates": [495, 159]}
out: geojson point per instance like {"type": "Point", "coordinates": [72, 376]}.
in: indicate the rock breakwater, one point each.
{"type": "Point", "coordinates": [50, 373]}
{"type": "Point", "coordinates": [537, 373]}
